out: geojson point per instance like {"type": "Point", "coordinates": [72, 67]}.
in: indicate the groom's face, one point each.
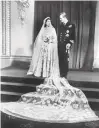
{"type": "Point", "coordinates": [62, 19]}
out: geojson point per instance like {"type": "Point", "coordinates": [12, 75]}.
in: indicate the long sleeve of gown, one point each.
{"type": "Point", "coordinates": [53, 37]}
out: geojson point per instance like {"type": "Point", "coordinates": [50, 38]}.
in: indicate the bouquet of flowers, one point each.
{"type": "Point", "coordinates": [46, 39]}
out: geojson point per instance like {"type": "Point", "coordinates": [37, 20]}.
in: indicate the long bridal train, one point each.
{"type": "Point", "coordinates": [54, 101]}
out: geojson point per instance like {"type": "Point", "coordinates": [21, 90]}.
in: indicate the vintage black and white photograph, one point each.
{"type": "Point", "coordinates": [49, 64]}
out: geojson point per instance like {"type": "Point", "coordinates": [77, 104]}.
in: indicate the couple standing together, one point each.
{"type": "Point", "coordinates": [55, 100]}
{"type": "Point", "coordinates": [50, 56]}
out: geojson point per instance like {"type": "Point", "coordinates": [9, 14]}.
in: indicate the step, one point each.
{"type": "Point", "coordinates": [91, 94]}
{"type": "Point", "coordinates": [24, 80]}
{"type": "Point", "coordinates": [25, 88]}
{"type": "Point", "coordinates": [17, 87]}
{"type": "Point", "coordinates": [37, 81]}
{"type": "Point", "coordinates": [17, 84]}
{"type": "Point", "coordinates": [10, 93]}
{"type": "Point", "coordinates": [20, 89]}
{"type": "Point", "coordinates": [33, 85]}
{"type": "Point", "coordinates": [85, 84]}
{"type": "Point", "coordinates": [15, 96]}
{"type": "Point", "coordinates": [19, 94]}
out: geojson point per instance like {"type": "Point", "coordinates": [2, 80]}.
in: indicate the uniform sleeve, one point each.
{"type": "Point", "coordinates": [72, 34]}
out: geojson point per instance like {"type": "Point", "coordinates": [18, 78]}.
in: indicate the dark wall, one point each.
{"type": "Point", "coordinates": [82, 14]}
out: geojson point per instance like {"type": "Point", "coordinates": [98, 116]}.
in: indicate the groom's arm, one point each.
{"type": "Point", "coordinates": [70, 36]}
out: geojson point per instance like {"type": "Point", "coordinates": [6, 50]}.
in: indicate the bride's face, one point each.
{"type": "Point", "coordinates": [48, 23]}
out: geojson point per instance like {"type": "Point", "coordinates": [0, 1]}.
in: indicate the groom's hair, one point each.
{"type": "Point", "coordinates": [63, 14]}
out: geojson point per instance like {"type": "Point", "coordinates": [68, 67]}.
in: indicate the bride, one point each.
{"type": "Point", "coordinates": [45, 57]}
{"type": "Point", "coordinates": [55, 100]}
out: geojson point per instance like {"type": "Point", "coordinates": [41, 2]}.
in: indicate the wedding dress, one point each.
{"type": "Point", "coordinates": [55, 100]}
{"type": "Point", "coordinates": [44, 58]}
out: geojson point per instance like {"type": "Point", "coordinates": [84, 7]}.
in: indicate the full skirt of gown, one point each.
{"type": "Point", "coordinates": [45, 61]}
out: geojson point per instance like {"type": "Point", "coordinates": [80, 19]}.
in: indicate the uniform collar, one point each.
{"type": "Point", "coordinates": [66, 24]}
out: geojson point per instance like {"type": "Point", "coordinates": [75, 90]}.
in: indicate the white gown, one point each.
{"type": "Point", "coordinates": [45, 58]}
{"type": "Point", "coordinates": [55, 100]}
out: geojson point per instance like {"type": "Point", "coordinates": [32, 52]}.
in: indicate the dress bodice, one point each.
{"type": "Point", "coordinates": [48, 35]}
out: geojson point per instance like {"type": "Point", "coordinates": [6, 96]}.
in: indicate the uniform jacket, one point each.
{"type": "Point", "coordinates": [67, 33]}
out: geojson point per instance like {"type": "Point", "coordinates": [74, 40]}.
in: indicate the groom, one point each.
{"type": "Point", "coordinates": [66, 39]}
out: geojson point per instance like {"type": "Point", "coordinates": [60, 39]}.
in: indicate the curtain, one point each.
{"type": "Point", "coordinates": [89, 56]}
{"type": "Point", "coordinates": [1, 29]}
{"type": "Point", "coordinates": [44, 9]}
{"type": "Point", "coordinates": [82, 14]}
{"type": "Point", "coordinates": [96, 40]}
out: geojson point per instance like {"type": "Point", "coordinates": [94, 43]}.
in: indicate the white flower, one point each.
{"type": "Point", "coordinates": [49, 92]}
{"type": "Point", "coordinates": [55, 104]}
{"type": "Point", "coordinates": [67, 35]}
{"type": "Point", "coordinates": [43, 102]}
{"type": "Point", "coordinates": [48, 101]}
{"type": "Point", "coordinates": [24, 98]}
{"type": "Point", "coordinates": [38, 89]}
{"type": "Point", "coordinates": [67, 31]}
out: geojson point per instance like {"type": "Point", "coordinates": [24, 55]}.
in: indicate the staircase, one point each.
{"type": "Point", "coordinates": [91, 90]}
{"type": "Point", "coordinates": [13, 87]}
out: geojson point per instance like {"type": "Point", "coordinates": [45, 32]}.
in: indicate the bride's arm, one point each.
{"type": "Point", "coordinates": [54, 36]}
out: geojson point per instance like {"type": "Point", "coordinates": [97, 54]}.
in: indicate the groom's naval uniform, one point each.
{"type": "Point", "coordinates": [66, 35]}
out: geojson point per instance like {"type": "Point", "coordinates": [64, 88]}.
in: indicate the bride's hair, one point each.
{"type": "Point", "coordinates": [46, 19]}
